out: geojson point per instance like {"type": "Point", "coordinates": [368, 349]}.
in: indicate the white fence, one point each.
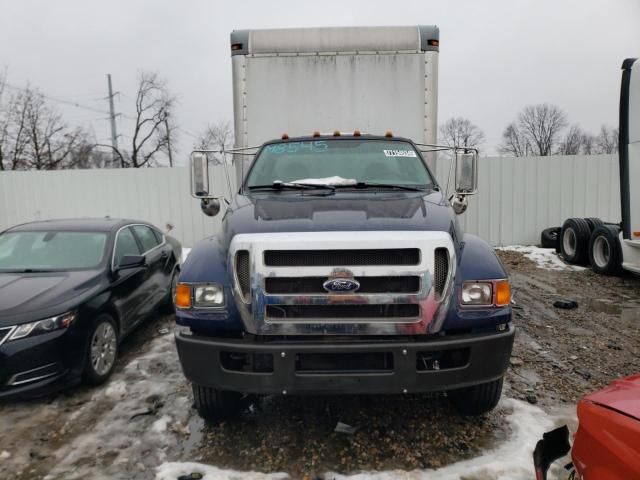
{"type": "Point", "coordinates": [517, 198]}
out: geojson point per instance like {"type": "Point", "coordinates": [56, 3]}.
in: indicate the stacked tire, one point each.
{"type": "Point", "coordinates": [590, 241]}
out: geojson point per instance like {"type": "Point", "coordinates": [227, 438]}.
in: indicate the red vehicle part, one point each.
{"type": "Point", "coordinates": [607, 443]}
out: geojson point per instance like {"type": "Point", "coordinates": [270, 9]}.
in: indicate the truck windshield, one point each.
{"type": "Point", "coordinates": [340, 162]}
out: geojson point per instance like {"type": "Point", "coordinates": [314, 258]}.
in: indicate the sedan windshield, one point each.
{"type": "Point", "coordinates": [340, 162]}
{"type": "Point", "coordinates": [44, 251]}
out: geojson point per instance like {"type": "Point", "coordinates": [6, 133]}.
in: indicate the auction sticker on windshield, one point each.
{"type": "Point", "coordinates": [399, 153]}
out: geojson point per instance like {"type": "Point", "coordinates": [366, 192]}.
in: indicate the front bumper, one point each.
{"type": "Point", "coordinates": [487, 359]}
{"type": "Point", "coordinates": [36, 366]}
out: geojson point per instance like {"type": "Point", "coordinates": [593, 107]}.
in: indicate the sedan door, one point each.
{"type": "Point", "coordinates": [157, 254]}
{"type": "Point", "coordinates": [129, 284]}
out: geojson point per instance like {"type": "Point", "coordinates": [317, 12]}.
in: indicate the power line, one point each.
{"type": "Point", "coordinates": [59, 100]}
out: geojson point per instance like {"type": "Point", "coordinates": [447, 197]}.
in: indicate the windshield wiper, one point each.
{"type": "Point", "coordinates": [277, 185]}
{"type": "Point", "coordinates": [363, 185]}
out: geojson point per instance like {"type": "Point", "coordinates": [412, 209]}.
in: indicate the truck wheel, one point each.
{"type": "Point", "coordinates": [549, 237]}
{"type": "Point", "coordinates": [574, 240]}
{"type": "Point", "coordinates": [604, 250]}
{"type": "Point", "coordinates": [593, 223]}
{"type": "Point", "coordinates": [478, 399]}
{"type": "Point", "coordinates": [215, 404]}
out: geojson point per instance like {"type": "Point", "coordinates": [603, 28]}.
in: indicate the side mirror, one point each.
{"type": "Point", "coordinates": [131, 261]}
{"type": "Point", "coordinates": [210, 206]}
{"type": "Point", "coordinates": [200, 175]}
{"type": "Point", "coordinates": [466, 173]}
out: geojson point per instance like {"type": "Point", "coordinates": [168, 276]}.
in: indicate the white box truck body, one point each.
{"type": "Point", "coordinates": [298, 81]}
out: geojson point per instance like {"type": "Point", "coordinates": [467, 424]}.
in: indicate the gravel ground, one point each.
{"type": "Point", "coordinates": [143, 416]}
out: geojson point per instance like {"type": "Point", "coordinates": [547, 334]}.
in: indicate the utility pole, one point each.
{"type": "Point", "coordinates": [112, 117]}
{"type": "Point", "coordinates": [166, 126]}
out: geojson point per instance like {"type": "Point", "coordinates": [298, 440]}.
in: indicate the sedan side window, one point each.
{"type": "Point", "coordinates": [146, 236]}
{"type": "Point", "coordinates": [125, 245]}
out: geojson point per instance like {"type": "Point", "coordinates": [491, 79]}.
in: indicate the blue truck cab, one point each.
{"type": "Point", "coordinates": [341, 268]}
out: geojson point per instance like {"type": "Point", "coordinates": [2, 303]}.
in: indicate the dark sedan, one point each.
{"type": "Point", "coordinates": [70, 291]}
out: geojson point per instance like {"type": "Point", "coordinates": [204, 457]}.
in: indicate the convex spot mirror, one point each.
{"type": "Point", "coordinates": [466, 173]}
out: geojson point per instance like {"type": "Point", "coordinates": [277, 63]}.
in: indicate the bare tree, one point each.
{"type": "Point", "coordinates": [607, 140]}
{"type": "Point", "coordinates": [460, 132]}
{"type": "Point", "coordinates": [542, 125]}
{"type": "Point", "coordinates": [514, 142]}
{"type": "Point", "coordinates": [588, 144]}
{"type": "Point", "coordinates": [153, 129]}
{"type": "Point", "coordinates": [33, 134]}
{"type": "Point", "coordinates": [217, 136]}
{"type": "Point", "coordinates": [572, 141]}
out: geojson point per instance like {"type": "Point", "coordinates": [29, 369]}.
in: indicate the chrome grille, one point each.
{"type": "Point", "coordinates": [403, 276]}
{"type": "Point", "coordinates": [346, 258]}
{"type": "Point", "coordinates": [440, 269]}
{"type": "Point", "coordinates": [4, 333]}
{"type": "Point", "coordinates": [337, 313]}
{"type": "Point", "coordinates": [297, 285]}
{"type": "Point", "coordinates": [243, 272]}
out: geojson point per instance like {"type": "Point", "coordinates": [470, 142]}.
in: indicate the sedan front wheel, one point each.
{"type": "Point", "coordinates": [102, 350]}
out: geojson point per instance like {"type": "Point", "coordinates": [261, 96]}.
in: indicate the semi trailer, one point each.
{"type": "Point", "coordinates": [340, 266]}
{"type": "Point", "coordinates": [611, 248]}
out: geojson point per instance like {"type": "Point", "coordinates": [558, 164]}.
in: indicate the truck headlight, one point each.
{"type": "Point", "coordinates": [477, 293]}
{"type": "Point", "coordinates": [486, 293]}
{"type": "Point", "coordinates": [43, 326]}
{"type": "Point", "coordinates": [208, 295]}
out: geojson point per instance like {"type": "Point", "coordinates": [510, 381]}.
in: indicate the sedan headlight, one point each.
{"type": "Point", "coordinates": [43, 326]}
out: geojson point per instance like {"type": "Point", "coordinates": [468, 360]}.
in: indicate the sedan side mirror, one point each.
{"type": "Point", "coordinates": [131, 261]}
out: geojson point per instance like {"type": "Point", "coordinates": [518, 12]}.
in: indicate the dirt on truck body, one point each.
{"type": "Point", "coordinates": [141, 422]}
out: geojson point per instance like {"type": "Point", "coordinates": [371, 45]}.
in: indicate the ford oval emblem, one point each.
{"type": "Point", "coordinates": [341, 285]}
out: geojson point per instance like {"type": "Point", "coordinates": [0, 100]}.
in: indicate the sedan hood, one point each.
{"type": "Point", "coordinates": [622, 395]}
{"type": "Point", "coordinates": [28, 296]}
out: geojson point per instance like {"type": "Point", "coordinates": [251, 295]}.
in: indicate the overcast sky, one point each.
{"type": "Point", "coordinates": [495, 56]}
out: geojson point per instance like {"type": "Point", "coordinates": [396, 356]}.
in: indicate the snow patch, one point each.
{"type": "Point", "coordinates": [173, 470]}
{"type": "Point", "coordinates": [511, 460]}
{"type": "Point", "coordinates": [332, 181]}
{"type": "Point", "coordinates": [185, 254]}
{"type": "Point", "coordinates": [116, 390]}
{"type": "Point", "coordinates": [4, 455]}
{"type": "Point", "coordinates": [545, 258]}
{"type": "Point", "coordinates": [160, 425]}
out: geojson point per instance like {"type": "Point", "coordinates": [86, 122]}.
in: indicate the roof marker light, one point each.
{"type": "Point", "coordinates": [388, 134]}
{"type": "Point", "coordinates": [433, 42]}
{"type": "Point", "coordinates": [356, 133]}
{"type": "Point", "coordinates": [316, 134]}
{"type": "Point", "coordinates": [285, 136]}
{"type": "Point", "coordinates": [336, 133]}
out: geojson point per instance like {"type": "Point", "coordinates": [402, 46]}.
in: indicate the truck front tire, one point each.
{"type": "Point", "coordinates": [477, 399]}
{"type": "Point", "coordinates": [213, 404]}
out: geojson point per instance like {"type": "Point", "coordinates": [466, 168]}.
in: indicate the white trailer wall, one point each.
{"type": "Point", "coordinates": [517, 198]}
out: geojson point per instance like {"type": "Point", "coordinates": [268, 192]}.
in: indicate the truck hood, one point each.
{"type": "Point", "coordinates": [344, 211]}
{"type": "Point", "coordinates": [622, 395]}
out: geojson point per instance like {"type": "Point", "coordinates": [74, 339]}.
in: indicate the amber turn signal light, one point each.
{"type": "Point", "coordinates": [183, 296]}
{"type": "Point", "coordinates": [503, 293]}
